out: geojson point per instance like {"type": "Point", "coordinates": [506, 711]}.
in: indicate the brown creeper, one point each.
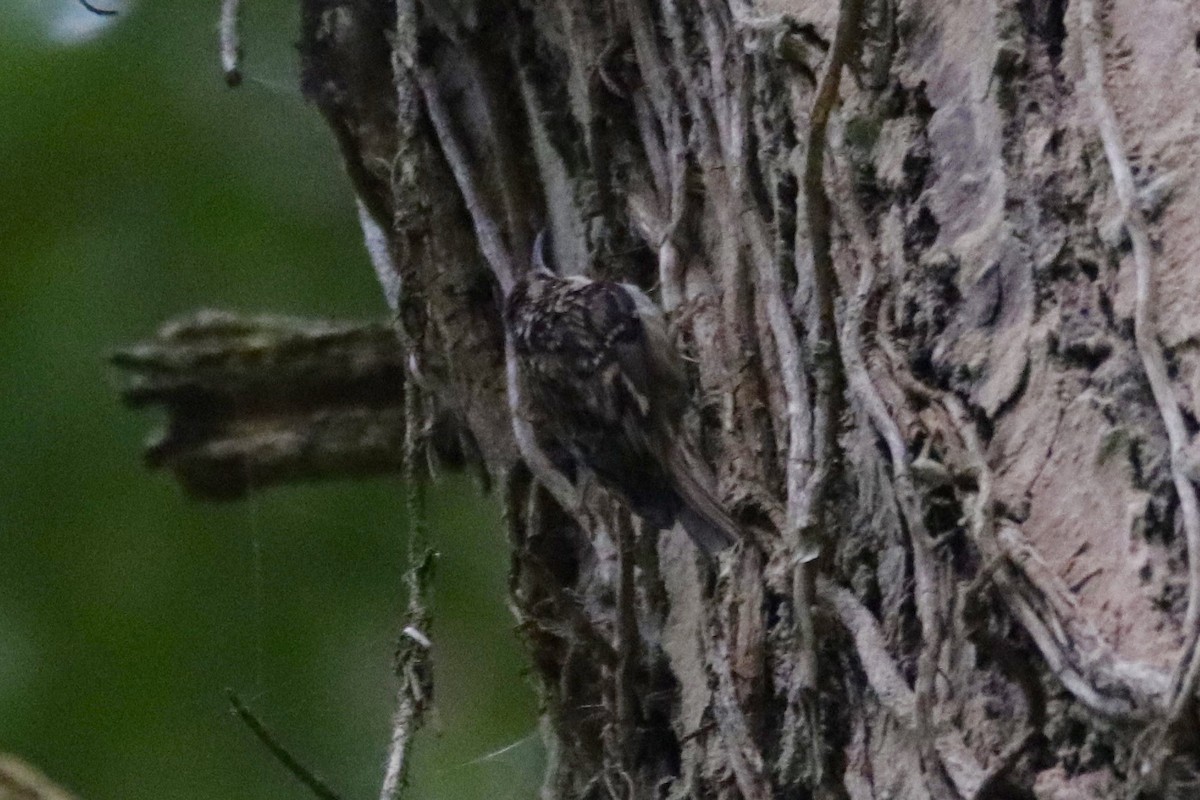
{"type": "Point", "coordinates": [607, 391]}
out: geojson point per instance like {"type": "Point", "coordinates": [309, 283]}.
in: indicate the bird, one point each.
{"type": "Point", "coordinates": [607, 392]}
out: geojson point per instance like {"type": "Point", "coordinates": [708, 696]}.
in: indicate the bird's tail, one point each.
{"type": "Point", "coordinates": [701, 514]}
{"type": "Point", "coordinates": [710, 535]}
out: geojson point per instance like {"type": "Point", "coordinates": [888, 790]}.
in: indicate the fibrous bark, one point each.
{"type": "Point", "coordinates": [934, 267]}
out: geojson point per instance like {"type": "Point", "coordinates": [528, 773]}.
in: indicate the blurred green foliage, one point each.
{"type": "Point", "coordinates": [133, 187]}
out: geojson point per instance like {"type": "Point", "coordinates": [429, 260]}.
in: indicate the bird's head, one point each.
{"type": "Point", "coordinates": [532, 289]}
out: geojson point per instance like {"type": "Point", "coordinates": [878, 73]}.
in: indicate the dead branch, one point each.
{"type": "Point", "coordinates": [231, 44]}
{"type": "Point", "coordinates": [257, 401]}
{"type": "Point", "coordinates": [413, 665]}
{"type": "Point", "coordinates": [20, 780]}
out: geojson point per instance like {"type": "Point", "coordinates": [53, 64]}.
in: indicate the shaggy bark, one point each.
{"type": "Point", "coordinates": [933, 265]}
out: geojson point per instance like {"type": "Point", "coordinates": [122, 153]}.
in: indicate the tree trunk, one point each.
{"type": "Point", "coordinates": [932, 265]}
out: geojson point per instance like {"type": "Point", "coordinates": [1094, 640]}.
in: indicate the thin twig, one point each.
{"type": "Point", "coordinates": [284, 756]}
{"type": "Point", "coordinates": [231, 42]}
{"type": "Point", "coordinates": [376, 242]}
{"type": "Point", "coordinates": [658, 96]}
{"type": "Point", "coordinates": [405, 720]}
{"type": "Point", "coordinates": [814, 447]}
{"type": "Point", "coordinates": [412, 657]}
{"type": "Point", "coordinates": [726, 104]}
{"type": "Point", "coordinates": [103, 12]}
{"type": "Point", "coordinates": [1145, 333]}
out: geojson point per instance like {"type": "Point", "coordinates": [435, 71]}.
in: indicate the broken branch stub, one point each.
{"type": "Point", "coordinates": [252, 402]}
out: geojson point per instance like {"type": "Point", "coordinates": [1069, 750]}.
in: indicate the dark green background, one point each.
{"type": "Point", "coordinates": [133, 187]}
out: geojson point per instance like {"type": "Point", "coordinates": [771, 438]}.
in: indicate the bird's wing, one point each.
{"type": "Point", "coordinates": [702, 514]}
{"type": "Point", "coordinates": [621, 357]}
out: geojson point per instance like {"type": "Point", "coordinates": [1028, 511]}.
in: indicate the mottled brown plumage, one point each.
{"type": "Point", "coordinates": [608, 391]}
